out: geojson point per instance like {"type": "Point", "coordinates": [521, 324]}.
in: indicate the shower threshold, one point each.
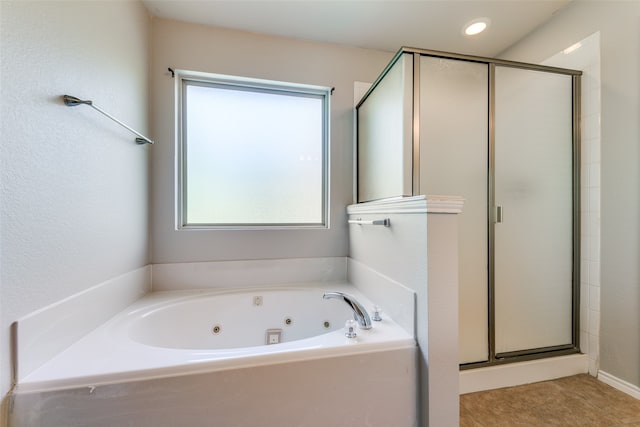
{"type": "Point", "coordinates": [501, 375]}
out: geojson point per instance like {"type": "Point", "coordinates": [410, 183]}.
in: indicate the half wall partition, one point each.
{"type": "Point", "coordinates": [505, 136]}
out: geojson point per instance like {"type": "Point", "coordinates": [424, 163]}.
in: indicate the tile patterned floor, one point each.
{"type": "Point", "coordinates": [580, 400]}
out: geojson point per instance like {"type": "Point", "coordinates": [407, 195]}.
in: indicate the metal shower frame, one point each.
{"type": "Point", "coordinates": [529, 354]}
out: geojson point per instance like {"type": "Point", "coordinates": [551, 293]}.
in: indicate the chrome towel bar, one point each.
{"type": "Point", "coordinates": [386, 222]}
{"type": "Point", "coordinates": [72, 101]}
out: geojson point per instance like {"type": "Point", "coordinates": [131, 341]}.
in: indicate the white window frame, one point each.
{"type": "Point", "coordinates": [182, 78]}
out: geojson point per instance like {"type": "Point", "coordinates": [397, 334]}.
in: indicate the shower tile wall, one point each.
{"type": "Point", "coordinates": [585, 56]}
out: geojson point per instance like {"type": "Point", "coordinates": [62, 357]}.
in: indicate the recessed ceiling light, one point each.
{"type": "Point", "coordinates": [476, 26]}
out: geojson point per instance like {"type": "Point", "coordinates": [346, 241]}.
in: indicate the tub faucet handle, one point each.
{"type": "Point", "coordinates": [350, 329]}
{"type": "Point", "coordinates": [376, 314]}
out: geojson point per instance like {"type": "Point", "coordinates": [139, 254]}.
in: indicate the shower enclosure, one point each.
{"type": "Point", "coordinates": [505, 136]}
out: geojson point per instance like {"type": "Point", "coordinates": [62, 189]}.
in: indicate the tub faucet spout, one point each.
{"type": "Point", "coordinates": [359, 313]}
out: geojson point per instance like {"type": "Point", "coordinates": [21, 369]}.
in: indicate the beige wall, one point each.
{"type": "Point", "coordinates": [73, 184]}
{"type": "Point", "coordinates": [619, 26]}
{"type": "Point", "coordinates": [200, 48]}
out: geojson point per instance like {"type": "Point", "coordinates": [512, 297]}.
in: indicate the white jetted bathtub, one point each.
{"type": "Point", "coordinates": [202, 356]}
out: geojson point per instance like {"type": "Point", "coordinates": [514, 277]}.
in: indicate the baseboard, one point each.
{"type": "Point", "coordinates": [617, 383]}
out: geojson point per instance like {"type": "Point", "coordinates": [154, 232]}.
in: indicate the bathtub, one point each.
{"type": "Point", "coordinates": [202, 356]}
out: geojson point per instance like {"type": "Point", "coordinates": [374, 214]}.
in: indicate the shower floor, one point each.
{"type": "Point", "coordinates": [580, 400]}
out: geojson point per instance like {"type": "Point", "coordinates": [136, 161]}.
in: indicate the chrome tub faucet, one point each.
{"type": "Point", "coordinates": [359, 312]}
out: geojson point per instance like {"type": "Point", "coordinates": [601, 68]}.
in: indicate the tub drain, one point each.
{"type": "Point", "coordinates": [326, 324]}
{"type": "Point", "coordinates": [216, 329]}
{"type": "Point", "coordinates": [288, 321]}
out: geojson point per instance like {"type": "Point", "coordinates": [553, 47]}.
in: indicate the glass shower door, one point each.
{"type": "Point", "coordinates": [533, 211]}
{"type": "Point", "coordinates": [454, 111]}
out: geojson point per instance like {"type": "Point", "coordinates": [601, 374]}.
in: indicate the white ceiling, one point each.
{"type": "Point", "coordinates": [375, 24]}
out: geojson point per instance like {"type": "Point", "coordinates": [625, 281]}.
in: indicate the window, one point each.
{"type": "Point", "coordinates": [253, 153]}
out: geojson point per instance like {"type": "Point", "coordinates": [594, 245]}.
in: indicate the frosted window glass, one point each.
{"type": "Point", "coordinates": [533, 184]}
{"type": "Point", "coordinates": [385, 136]}
{"type": "Point", "coordinates": [252, 156]}
{"type": "Point", "coordinates": [453, 161]}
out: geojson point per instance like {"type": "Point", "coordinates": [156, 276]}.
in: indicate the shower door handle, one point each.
{"type": "Point", "coordinates": [498, 214]}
